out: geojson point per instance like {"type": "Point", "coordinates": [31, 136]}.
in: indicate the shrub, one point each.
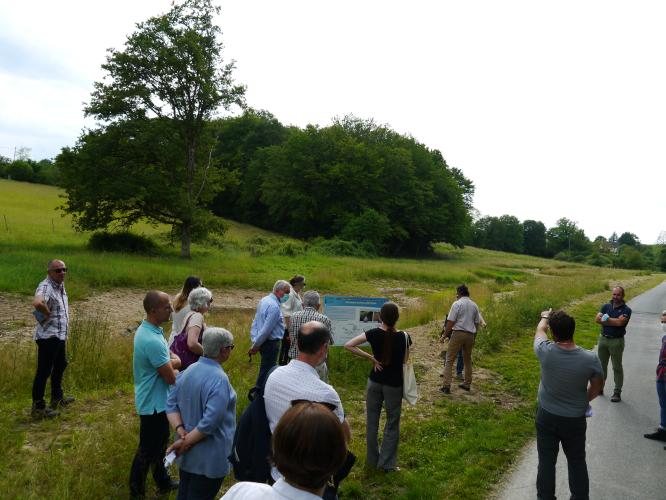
{"type": "Point", "coordinates": [123, 241]}
{"type": "Point", "coordinates": [336, 247]}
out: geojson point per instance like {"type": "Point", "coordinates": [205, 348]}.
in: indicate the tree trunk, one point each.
{"type": "Point", "coordinates": [185, 240]}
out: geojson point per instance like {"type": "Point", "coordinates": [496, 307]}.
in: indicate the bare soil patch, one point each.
{"type": "Point", "coordinates": [428, 358]}
{"type": "Point", "coordinates": [122, 308]}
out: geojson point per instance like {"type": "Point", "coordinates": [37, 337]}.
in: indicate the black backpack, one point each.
{"type": "Point", "coordinates": [252, 441]}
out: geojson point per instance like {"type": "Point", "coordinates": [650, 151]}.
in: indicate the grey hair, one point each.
{"type": "Point", "coordinates": [214, 340]}
{"type": "Point", "coordinates": [281, 285]}
{"type": "Point", "coordinates": [311, 299]}
{"type": "Point", "coordinates": [199, 297]}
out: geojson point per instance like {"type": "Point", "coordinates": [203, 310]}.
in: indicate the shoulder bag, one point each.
{"type": "Point", "coordinates": [409, 390]}
{"type": "Point", "coordinates": [179, 346]}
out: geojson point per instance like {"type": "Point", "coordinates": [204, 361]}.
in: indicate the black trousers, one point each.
{"type": "Point", "coordinates": [153, 439]}
{"type": "Point", "coordinates": [570, 431]}
{"type": "Point", "coordinates": [51, 362]}
{"type": "Point", "coordinates": [198, 487]}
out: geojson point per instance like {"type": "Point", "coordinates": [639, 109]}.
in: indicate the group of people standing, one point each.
{"type": "Point", "coordinates": [181, 384]}
{"type": "Point", "coordinates": [184, 386]}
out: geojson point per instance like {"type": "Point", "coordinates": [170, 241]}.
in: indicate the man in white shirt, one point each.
{"type": "Point", "coordinates": [299, 380]}
{"type": "Point", "coordinates": [461, 325]}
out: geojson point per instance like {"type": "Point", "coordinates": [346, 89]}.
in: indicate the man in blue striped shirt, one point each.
{"type": "Point", "coordinates": [268, 329]}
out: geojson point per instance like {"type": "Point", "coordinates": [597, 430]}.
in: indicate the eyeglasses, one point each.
{"type": "Point", "coordinates": [230, 347]}
{"type": "Point", "coordinates": [60, 270]}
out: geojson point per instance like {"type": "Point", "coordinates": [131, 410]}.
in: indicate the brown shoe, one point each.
{"type": "Point", "coordinates": [464, 387]}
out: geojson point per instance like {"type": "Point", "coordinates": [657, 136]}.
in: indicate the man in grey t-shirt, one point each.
{"type": "Point", "coordinates": [571, 377]}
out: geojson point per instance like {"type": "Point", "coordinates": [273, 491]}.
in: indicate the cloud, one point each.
{"type": "Point", "coordinates": [27, 61]}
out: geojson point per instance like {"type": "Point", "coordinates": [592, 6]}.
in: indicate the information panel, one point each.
{"type": "Point", "coordinates": [351, 316]}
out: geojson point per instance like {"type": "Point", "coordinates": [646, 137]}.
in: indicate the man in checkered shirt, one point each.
{"type": "Point", "coordinates": [311, 304]}
{"type": "Point", "coordinates": [52, 314]}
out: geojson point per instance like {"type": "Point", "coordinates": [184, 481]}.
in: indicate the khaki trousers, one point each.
{"type": "Point", "coordinates": [459, 339]}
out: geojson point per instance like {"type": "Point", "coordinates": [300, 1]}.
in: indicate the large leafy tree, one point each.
{"type": "Point", "coordinates": [335, 180]}
{"type": "Point", "coordinates": [534, 237]}
{"type": "Point", "coordinates": [566, 235]}
{"type": "Point", "coordinates": [160, 91]}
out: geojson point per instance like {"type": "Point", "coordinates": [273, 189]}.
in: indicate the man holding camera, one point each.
{"type": "Point", "coordinates": [571, 377]}
{"type": "Point", "coordinates": [613, 318]}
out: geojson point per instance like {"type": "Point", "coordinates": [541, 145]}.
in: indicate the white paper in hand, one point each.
{"type": "Point", "coordinates": [168, 460]}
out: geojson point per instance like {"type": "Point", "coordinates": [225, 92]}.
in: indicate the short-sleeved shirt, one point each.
{"type": "Point", "coordinates": [661, 367]}
{"type": "Point", "coordinates": [206, 401]}
{"type": "Point", "coordinates": [465, 315]}
{"type": "Point", "coordinates": [150, 353]}
{"type": "Point", "coordinates": [55, 297]}
{"type": "Point", "coordinates": [392, 372]}
{"type": "Point", "coordinates": [615, 312]}
{"type": "Point", "coordinates": [298, 320]}
{"type": "Point", "coordinates": [564, 378]}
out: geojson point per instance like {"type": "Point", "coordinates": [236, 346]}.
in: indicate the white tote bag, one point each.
{"type": "Point", "coordinates": [409, 391]}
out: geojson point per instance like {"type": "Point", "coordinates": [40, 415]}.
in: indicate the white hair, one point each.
{"type": "Point", "coordinates": [311, 299]}
{"type": "Point", "coordinates": [199, 297]}
{"type": "Point", "coordinates": [215, 339]}
{"type": "Point", "coordinates": [281, 285]}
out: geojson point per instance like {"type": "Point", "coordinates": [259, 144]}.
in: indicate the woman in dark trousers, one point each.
{"type": "Point", "coordinates": [384, 385]}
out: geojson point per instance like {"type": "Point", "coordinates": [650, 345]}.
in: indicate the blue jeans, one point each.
{"type": "Point", "coordinates": [269, 351]}
{"type": "Point", "coordinates": [197, 487]}
{"type": "Point", "coordinates": [460, 364]}
{"type": "Point", "coordinates": [570, 431]}
{"type": "Point", "coordinates": [661, 392]}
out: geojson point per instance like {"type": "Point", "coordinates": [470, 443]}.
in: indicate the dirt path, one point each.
{"type": "Point", "coordinates": [122, 307]}
{"type": "Point", "coordinates": [428, 358]}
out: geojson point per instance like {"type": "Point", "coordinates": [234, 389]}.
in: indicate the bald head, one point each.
{"type": "Point", "coordinates": [312, 336]}
{"type": "Point", "coordinates": [157, 306]}
{"type": "Point", "coordinates": [57, 270]}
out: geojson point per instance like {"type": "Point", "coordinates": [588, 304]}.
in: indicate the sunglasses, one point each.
{"type": "Point", "coordinates": [60, 270]}
{"type": "Point", "coordinates": [230, 347]}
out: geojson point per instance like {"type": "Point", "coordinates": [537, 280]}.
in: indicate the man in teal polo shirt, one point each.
{"type": "Point", "coordinates": [155, 369]}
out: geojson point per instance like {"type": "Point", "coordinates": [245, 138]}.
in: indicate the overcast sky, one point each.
{"type": "Point", "coordinates": [552, 109]}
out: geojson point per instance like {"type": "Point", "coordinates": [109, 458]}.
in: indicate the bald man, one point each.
{"type": "Point", "coordinates": [155, 368]}
{"type": "Point", "coordinates": [52, 315]}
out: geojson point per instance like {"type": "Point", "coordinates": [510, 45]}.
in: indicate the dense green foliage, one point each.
{"type": "Point", "coordinates": [156, 103]}
{"type": "Point", "coordinates": [564, 241]}
{"type": "Point", "coordinates": [354, 180]}
{"type": "Point", "coordinates": [27, 170]}
{"type": "Point", "coordinates": [123, 241]}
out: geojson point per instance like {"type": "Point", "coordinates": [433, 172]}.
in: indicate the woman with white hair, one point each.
{"type": "Point", "coordinates": [201, 408]}
{"type": "Point", "coordinates": [187, 344]}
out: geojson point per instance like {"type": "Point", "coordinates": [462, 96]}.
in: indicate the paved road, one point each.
{"type": "Point", "coordinates": [622, 464]}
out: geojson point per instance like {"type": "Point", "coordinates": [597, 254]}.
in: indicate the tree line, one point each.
{"type": "Point", "coordinates": [566, 241]}
{"type": "Point", "coordinates": [22, 168]}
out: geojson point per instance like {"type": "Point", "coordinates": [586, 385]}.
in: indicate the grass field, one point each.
{"type": "Point", "coordinates": [455, 447]}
